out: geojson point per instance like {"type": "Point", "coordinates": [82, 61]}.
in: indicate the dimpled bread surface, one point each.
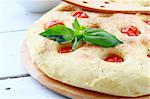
{"type": "Point", "coordinates": [85, 67]}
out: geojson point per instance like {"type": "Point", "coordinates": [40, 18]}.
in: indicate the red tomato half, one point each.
{"type": "Point", "coordinates": [130, 31]}
{"type": "Point", "coordinates": [65, 50]}
{"type": "Point", "coordinates": [52, 23]}
{"type": "Point", "coordinates": [80, 14]}
{"type": "Point", "coordinates": [114, 58]}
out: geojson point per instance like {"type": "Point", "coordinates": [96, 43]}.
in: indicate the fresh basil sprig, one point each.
{"type": "Point", "coordinates": [59, 33]}
{"type": "Point", "coordinates": [80, 34]}
{"type": "Point", "coordinates": [100, 37]}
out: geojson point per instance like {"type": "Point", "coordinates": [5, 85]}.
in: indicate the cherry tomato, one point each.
{"type": "Point", "coordinates": [52, 23]}
{"type": "Point", "coordinates": [114, 58]}
{"type": "Point", "coordinates": [130, 31]}
{"type": "Point", "coordinates": [80, 14]}
{"type": "Point", "coordinates": [65, 49]}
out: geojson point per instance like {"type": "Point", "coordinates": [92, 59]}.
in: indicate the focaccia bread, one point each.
{"type": "Point", "coordinates": [88, 67]}
{"type": "Point", "coordinates": [111, 6]}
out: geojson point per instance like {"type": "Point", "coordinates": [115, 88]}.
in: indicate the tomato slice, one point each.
{"type": "Point", "coordinates": [114, 58]}
{"type": "Point", "coordinates": [130, 31]}
{"type": "Point", "coordinates": [147, 21]}
{"type": "Point", "coordinates": [65, 49]}
{"type": "Point", "coordinates": [80, 14]}
{"type": "Point", "coordinates": [52, 23]}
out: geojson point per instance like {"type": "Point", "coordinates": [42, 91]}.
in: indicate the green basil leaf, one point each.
{"type": "Point", "coordinates": [57, 38]}
{"type": "Point", "coordinates": [100, 37]}
{"type": "Point", "coordinates": [59, 30]}
{"type": "Point", "coordinates": [76, 25]}
{"type": "Point", "coordinates": [77, 41]}
{"type": "Point", "coordinates": [79, 35]}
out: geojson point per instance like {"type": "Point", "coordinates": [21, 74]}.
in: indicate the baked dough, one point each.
{"type": "Point", "coordinates": [85, 67]}
{"type": "Point", "coordinates": [111, 6]}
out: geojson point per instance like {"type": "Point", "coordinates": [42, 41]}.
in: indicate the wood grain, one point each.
{"type": "Point", "coordinates": [61, 88]}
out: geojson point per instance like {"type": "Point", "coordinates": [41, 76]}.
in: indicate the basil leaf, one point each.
{"type": "Point", "coordinates": [77, 41]}
{"type": "Point", "coordinates": [59, 30]}
{"type": "Point", "coordinates": [80, 35]}
{"type": "Point", "coordinates": [100, 37]}
{"type": "Point", "coordinates": [57, 38]}
{"type": "Point", "coordinates": [76, 25]}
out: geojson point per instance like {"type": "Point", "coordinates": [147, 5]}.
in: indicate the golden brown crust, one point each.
{"type": "Point", "coordinates": [113, 6]}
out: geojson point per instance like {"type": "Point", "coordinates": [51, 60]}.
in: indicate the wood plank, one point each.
{"type": "Point", "coordinates": [25, 88]}
{"type": "Point", "coordinates": [10, 62]}
{"type": "Point", "coordinates": [14, 17]}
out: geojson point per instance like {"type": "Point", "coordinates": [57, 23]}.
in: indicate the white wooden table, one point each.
{"type": "Point", "coordinates": [15, 82]}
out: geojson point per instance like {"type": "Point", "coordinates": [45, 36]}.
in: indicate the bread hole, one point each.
{"type": "Point", "coordinates": [107, 2]}
{"type": "Point", "coordinates": [112, 57]}
{"type": "Point", "coordinates": [64, 48]}
{"type": "Point", "coordinates": [130, 30]}
{"type": "Point", "coordinates": [67, 47]}
{"type": "Point", "coordinates": [80, 14]}
{"type": "Point", "coordinates": [52, 23]}
{"type": "Point", "coordinates": [102, 6]}
{"type": "Point", "coordinates": [84, 2]}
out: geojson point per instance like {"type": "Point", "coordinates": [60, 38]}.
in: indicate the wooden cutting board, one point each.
{"type": "Point", "coordinates": [61, 88]}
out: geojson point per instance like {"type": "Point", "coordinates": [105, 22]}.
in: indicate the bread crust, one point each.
{"type": "Point", "coordinates": [113, 6]}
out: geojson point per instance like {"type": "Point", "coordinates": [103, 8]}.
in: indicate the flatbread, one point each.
{"type": "Point", "coordinates": [111, 6]}
{"type": "Point", "coordinates": [85, 67]}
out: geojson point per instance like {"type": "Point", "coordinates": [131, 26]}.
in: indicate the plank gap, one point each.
{"type": "Point", "coordinates": [13, 31]}
{"type": "Point", "coordinates": [15, 76]}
